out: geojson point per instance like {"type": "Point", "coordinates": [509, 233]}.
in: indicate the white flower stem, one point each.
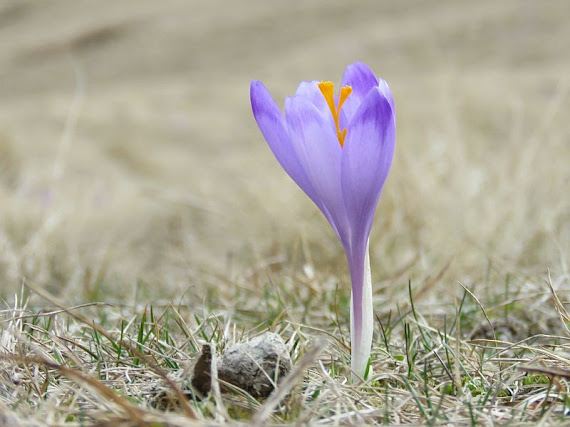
{"type": "Point", "coordinates": [362, 344]}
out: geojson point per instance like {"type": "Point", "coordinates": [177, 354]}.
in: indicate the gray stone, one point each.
{"type": "Point", "coordinates": [253, 366]}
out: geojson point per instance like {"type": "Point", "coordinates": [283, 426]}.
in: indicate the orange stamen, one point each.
{"type": "Point", "coordinates": [327, 89]}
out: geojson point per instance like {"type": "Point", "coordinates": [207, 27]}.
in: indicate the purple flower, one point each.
{"type": "Point", "coordinates": [339, 151]}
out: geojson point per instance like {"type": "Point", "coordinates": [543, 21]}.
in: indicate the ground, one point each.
{"type": "Point", "coordinates": [142, 214]}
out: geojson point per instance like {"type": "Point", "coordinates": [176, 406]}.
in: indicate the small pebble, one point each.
{"type": "Point", "coordinates": [253, 366]}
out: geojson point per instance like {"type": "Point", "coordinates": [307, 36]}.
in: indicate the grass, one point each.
{"type": "Point", "coordinates": [132, 364]}
{"type": "Point", "coordinates": [142, 215]}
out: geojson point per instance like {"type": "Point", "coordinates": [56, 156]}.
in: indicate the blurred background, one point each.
{"type": "Point", "coordinates": [130, 160]}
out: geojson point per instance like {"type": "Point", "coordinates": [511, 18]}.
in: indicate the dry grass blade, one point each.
{"type": "Point", "coordinates": [549, 371]}
{"type": "Point", "coordinates": [553, 373]}
{"type": "Point", "coordinates": [456, 359]}
{"type": "Point", "coordinates": [51, 313]}
{"type": "Point", "coordinates": [562, 312]}
{"type": "Point", "coordinates": [287, 384]}
{"type": "Point", "coordinates": [480, 306]}
{"type": "Point", "coordinates": [220, 407]}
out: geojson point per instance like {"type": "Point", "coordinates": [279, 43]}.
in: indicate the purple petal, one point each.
{"type": "Point", "coordinates": [366, 160]}
{"type": "Point", "coordinates": [311, 91]}
{"type": "Point", "coordinates": [361, 78]}
{"type": "Point", "coordinates": [385, 90]}
{"type": "Point", "coordinates": [319, 154]}
{"type": "Point", "coordinates": [274, 129]}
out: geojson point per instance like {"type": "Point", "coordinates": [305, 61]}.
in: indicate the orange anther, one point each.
{"type": "Point", "coordinates": [327, 89]}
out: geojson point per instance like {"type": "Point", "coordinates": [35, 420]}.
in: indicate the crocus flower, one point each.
{"type": "Point", "coordinates": [338, 149]}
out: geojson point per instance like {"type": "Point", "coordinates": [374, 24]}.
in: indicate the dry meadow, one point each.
{"type": "Point", "coordinates": [142, 214]}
